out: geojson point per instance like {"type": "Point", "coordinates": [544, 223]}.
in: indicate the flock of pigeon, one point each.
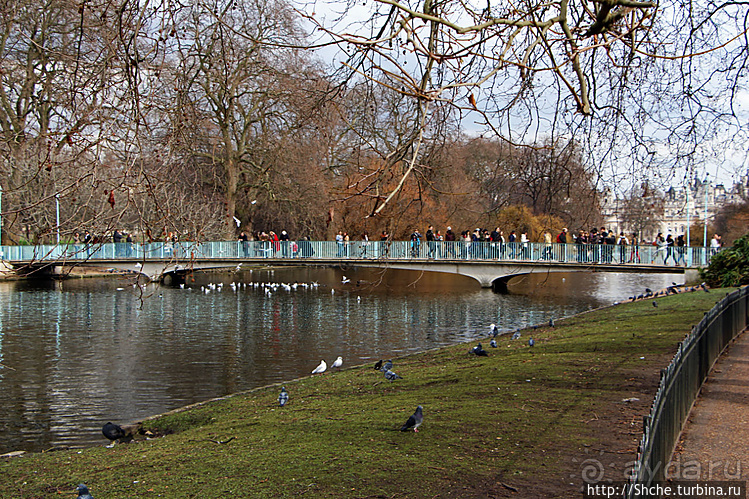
{"type": "Point", "coordinates": [494, 332]}
{"type": "Point", "coordinates": [674, 289]}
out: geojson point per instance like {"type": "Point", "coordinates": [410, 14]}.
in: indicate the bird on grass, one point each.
{"type": "Point", "coordinates": [321, 368]}
{"type": "Point", "coordinates": [479, 350]}
{"type": "Point", "coordinates": [551, 322]}
{"type": "Point", "coordinates": [516, 335]}
{"type": "Point", "coordinates": [655, 304]}
{"type": "Point", "coordinates": [493, 343]}
{"type": "Point", "coordinates": [388, 366]}
{"type": "Point", "coordinates": [83, 492]}
{"type": "Point", "coordinates": [113, 432]}
{"type": "Point", "coordinates": [338, 362]}
{"type": "Point", "coordinates": [391, 376]}
{"type": "Point", "coordinates": [493, 330]}
{"type": "Point", "coordinates": [531, 342]}
{"type": "Point", "coordinates": [704, 287]}
{"type": "Point", "coordinates": [414, 421]}
{"type": "Point", "coordinates": [283, 397]}
{"type": "Point", "coordinates": [378, 365]}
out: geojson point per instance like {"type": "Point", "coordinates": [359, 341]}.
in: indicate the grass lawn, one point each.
{"type": "Point", "coordinates": [518, 423]}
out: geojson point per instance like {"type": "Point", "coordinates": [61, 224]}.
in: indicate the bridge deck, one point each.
{"type": "Point", "coordinates": [485, 262]}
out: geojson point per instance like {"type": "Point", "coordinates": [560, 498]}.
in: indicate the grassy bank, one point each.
{"type": "Point", "coordinates": [517, 423]}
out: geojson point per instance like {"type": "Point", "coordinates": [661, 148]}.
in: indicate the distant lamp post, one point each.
{"type": "Point", "coordinates": [689, 209]}
{"type": "Point", "coordinates": [57, 209]}
{"type": "Point", "coordinates": [706, 185]}
{"type": "Point", "coordinates": [1, 221]}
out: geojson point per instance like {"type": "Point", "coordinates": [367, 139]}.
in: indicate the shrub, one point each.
{"type": "Point", "coordinates": [730, 267]}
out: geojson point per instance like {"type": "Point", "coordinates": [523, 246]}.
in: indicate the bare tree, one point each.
{"type": "Point", "coordinates": [642, 210]}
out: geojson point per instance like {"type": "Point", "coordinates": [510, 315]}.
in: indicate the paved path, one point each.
{"type": "Point", "coordinates": [715, 442]}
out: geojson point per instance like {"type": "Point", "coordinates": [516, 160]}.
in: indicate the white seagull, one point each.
{"type": "Point", "coordinates": [345, 280]}
{"type": "Point", "coordinates": [338, 362]}
{"type": "Point", "coordinates": [321, 368]}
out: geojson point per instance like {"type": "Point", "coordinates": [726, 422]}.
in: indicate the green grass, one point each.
{"type": "Point", "coordinates": [512, 418]}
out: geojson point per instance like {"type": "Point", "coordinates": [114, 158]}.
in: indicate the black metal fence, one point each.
{"type": "Point", "coordinates": [680, 383]}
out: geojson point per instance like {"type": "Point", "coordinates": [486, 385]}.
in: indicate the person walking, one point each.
{"type": "Point", "coordinates": [415, 243]}
{"type": "Point", "coordinates": [450, 241]}
{"type": "Point", "coordinates": [339, 243]}
{"type": "Point", "coordinates": [431, 245]}
{"type": "Point", "coordinates": [623, 243]}
{"type": "Point", "coordinates": [634, 252]}
{"type": "Point", "coordinates": [284, 239]}
{"type": "Point", "coordinates": [364, 244]}
{"type": "Point", "coordinates": [547, 246]}
{"type": "Point", "coordinates": [680, 251]}
{"type": "Point", "coordinates": [660, 244]}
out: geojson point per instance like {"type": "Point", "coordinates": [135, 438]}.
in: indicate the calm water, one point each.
{"type": "Point", "coordinates": [78, 353]}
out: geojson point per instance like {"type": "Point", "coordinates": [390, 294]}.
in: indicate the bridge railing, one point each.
{"type": "Point", "coordinates": [425, 250]}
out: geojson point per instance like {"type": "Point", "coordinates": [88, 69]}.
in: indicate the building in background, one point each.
{"type": "Point", "coordinates": [649, 211]}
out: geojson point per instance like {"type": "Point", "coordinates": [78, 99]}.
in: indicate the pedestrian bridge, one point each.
{"type": "Point", "coordinates": [491, 264]}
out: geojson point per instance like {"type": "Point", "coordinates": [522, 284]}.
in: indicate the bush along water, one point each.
{"type": "Point", "coordinates": [730, 267]}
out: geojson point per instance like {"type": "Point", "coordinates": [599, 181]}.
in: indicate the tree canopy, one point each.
{"type": "Point", "coordinates": [164, 117]}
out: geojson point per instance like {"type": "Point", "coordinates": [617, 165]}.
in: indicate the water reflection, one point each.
{"type": "Point", "coordinates": [76, 354]}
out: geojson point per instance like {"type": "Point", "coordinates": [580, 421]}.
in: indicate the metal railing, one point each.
{"type": "Point", "coordinates": [326, 250]}
{"type": "Point", "coordinates": [680, 384]}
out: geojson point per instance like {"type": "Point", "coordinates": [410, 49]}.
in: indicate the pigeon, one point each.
{"type": "Point", "coordinates": [551, 322]}
{"type": "Point", "coordinates": [391, 376]}
{"type": "Point", "coordinates": [414, 421]}
{"type": "Point", "coordinates": [338, 362]}
{"type": "Point", "coordinates": [345, 280]}
{"type": "Point", "coordinates": [83, 492]}
{"type": "Point", "coordinates": [655, 304]}
{"type": "Point", "coordinates": [531, 342]}
{"type": "Point", "coordinates": [493, 343]}
{"type": "Point", "coordinates": [378, 365]}
{"type": "Point", "coordinates": [113, 432]}
{"type": "Point", "coordinates": [321, 368]}
{"type": "Point", "coordinates": [388, 365]}
{"type": "Point", "coordinates": [493, 330]}
{"type": "Point", "coordinates": [479, 350]}
{"type": "Point", "coordinates": [516, 335]}
{"type": "Point", "coordinates": [704, 287]}
{"type": "Point", "coordinates": [283, 397]}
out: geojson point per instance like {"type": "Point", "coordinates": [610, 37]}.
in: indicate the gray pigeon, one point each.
{"type": "Point", "coordinates": [531, 342]}
{"type": "Point", "coordinates": [388, 365]}
{"type": "Point", "coordinates": [479, 350]}
{"type": "Point", "coordinates": [493, 343]}
{"type": "Point", "coordinates": [414, 421]}
{"type": "Point", "coordinates": [83, 492]}
{"type": "Point", "coordinates": [391, 376]}
{"type": "Point", "coordinates": [516, 335]}
{"type": "Point", "coordinates": [283, 397]}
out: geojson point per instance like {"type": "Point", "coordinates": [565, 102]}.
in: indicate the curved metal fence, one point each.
{"type": "Point", "coordinates": [680, 384]}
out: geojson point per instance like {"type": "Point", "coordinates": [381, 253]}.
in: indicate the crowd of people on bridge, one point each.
{"type": "Point", "coordinates": [585, 246]}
